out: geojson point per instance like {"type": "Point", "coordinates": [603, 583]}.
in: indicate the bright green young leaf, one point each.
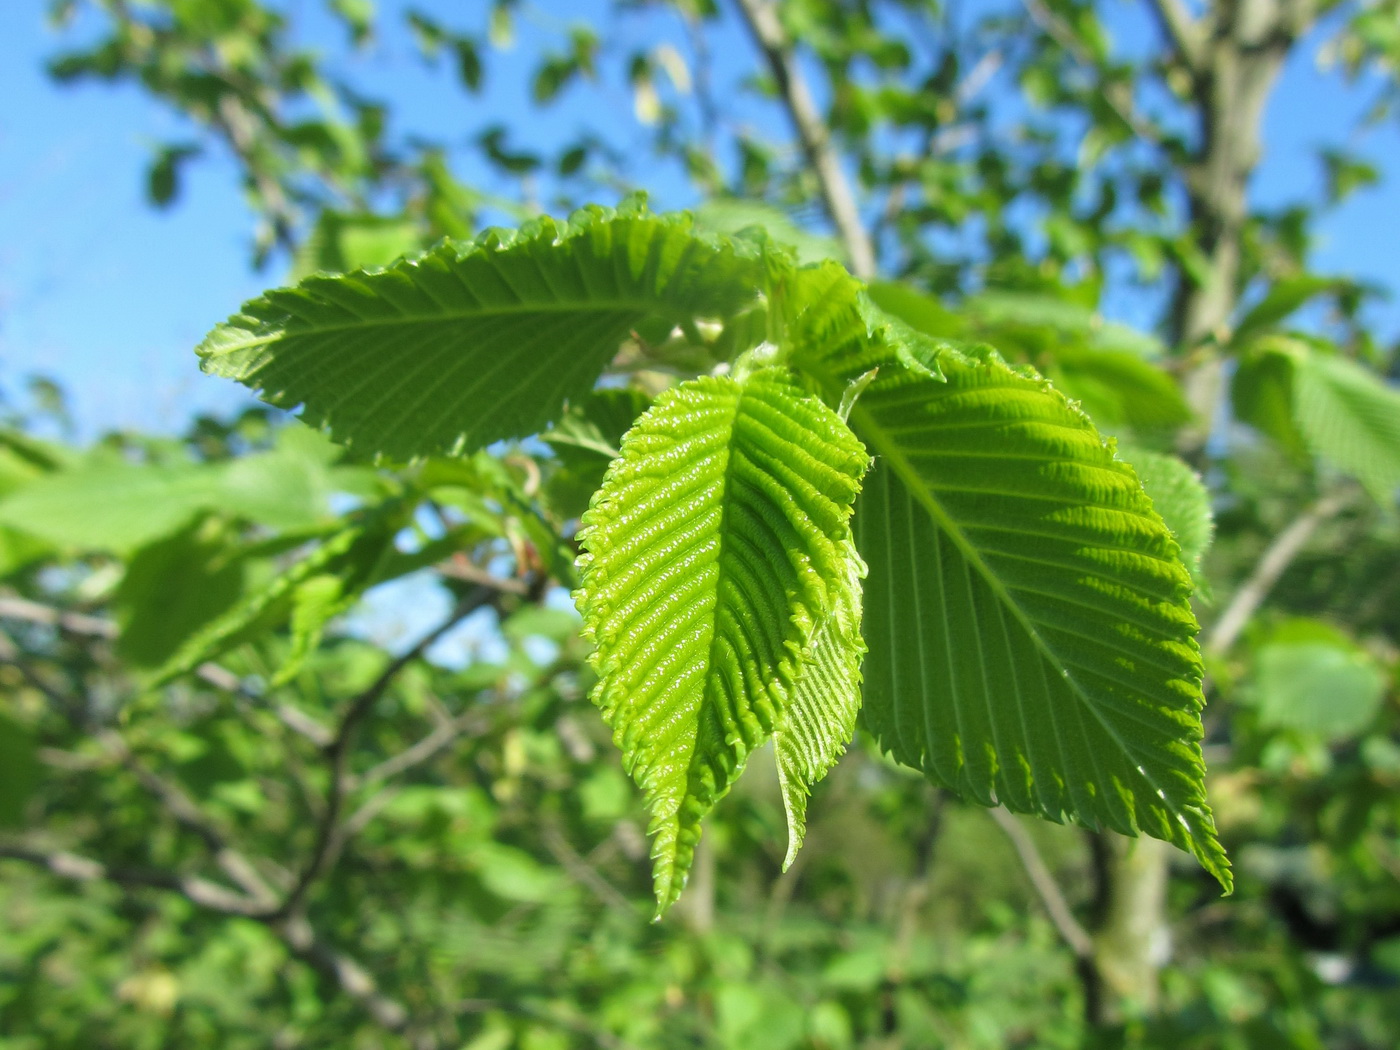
{"type": "Point", "coordinates": [471, 344]}
{"type": "Point", "coordinates": [1181, 498]}
{"type": "Point", "coordinates": [1351, 418]}
{"type": "Point", "coordinates": [711, 555]}
{"type": "Point", "coordinates": [1312, 678]}
{"type": "Point", "coordinates": [820, 717]}
{"type": "Point", "coordinates": [1031, 641]}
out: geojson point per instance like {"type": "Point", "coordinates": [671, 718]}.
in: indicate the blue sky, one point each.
{"type": "Point", "coordinates": [109, 296]}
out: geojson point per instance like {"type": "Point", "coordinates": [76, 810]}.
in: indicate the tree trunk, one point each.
{"type": "Point", "coordinates": [1243, 45]}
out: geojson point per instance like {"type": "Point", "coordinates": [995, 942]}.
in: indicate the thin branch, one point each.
{"type": "Point", "coordinates": [1056, 29]}
{"type": "Point", "coordinates": [1271, 565]}
{"type": "Point", "coordinates": [1182, 29]}
{"type": "Point", "coordinates": [1043, 881]}
{"type": "Point", "coordinates": [73, 623]}
{"type": "Point", "coordinates": [338, 753]}
{"type": "Point", "coordinates": [299, 936]}
{"type": "Point", "coordinates": [180, 806]}
{"type": "Point", "coordinates": [210, 673]}
{"type": "Point", "coordinates": [761, 17]}
{"type": "Point", "coordinates": [420, 752]}
{"type": "Point", "coordinates": [583, 872]}
{"type": "Point", "coordinates": [201, 891]}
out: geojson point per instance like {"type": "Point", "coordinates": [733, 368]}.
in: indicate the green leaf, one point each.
{"type": "Point", "coordinates": [108, 503]}
{"type": "Point", "coordinates": [340, 242]}
{"type": "Point", "coordinates": [352, 553]}
{"type": "Point", "coordinates": [20, 772]}
{"type": "Point", "coordinates": [711, 556]}
{"type": "Point", "coordinates": [732, 216]}
{"type": "Point", "coordinates": [171, 588]}
{"type": "Point", "coordinates": [1182, 500]}
{"type": "Point", "coordinates": [470, 344]}
{"type": "Point", "coordinates": [1311, 678]}
{"type": "Point", "coordinates": [820, 717]}
{"type": "Point", "coordinates": [1119, 387]}
{"type": "Point", "coordinates": [1261, 394]}
{"type": "Point", "coordinates": [1351, 418]}
{"type": "Point", "coordinates": [1031, 640]}
{"type": "Point", "coordinates": [1282, 300]}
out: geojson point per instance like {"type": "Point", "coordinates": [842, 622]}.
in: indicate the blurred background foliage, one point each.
{"type": "Point", "coordinates": [237, 811]}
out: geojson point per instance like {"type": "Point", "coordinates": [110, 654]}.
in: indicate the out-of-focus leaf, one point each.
{"type": "Point", "coordinates": [1312, 678]}
{"type": "Point", "coordinates": [171, 589]}
{"type": "Point", "coordinates": [1281, 300]}
{"type": "Point", "coordinates": [1261, 394]}
{"type": "Point", "coordinates": [354, 553]}
{"type": "Point", "coordinates": [109, 503]}
{"type": "Point", "coordinates": [19, 770]}
{"type": "Point", "coordinates": [1119, 387]}
{"type": "Point", "coordinates": [1350, 417]}
{"type": "Point", "coordinates": [730, 215]}
{"type": "Point", "coordinates": [340, 242]}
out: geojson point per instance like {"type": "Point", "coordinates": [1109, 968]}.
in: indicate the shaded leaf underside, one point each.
{"type": "Point", "coordinates": [820, 717]}
{"type": "Point", "coordinates": [711, 551]}
{"type": "Point", "coordinates": [1031, 639]}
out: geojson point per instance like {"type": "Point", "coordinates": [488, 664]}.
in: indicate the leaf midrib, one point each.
{"type": "Point", "coordinates": [872, 432]}
{"type": "Point", "coordinates": [642, 305]}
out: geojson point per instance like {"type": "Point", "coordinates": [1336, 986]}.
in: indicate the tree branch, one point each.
{"type": "Point", "coordinates": [200, 891]}
{"type": "Point", "coordinates": [1045, 886]}
{"type": "Point", "coordinates": [298, 935]}
{"type": "Point", "coordinates": [1272, 564]}
{"type": "Point", "coordinates": [761, 17]}
{"type": "Point", "coordinates": [210, 673]}
{"type": "Point", "coordinates": [180, 806]}
{"type": "Point", "coordinates": [1182, 29]}
{"type": "Point", "coordinates": [1062, 34]}
{"type": "Point", "coordinates": [338, 752]}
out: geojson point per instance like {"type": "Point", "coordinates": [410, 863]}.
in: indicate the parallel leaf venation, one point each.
{"type": "Point", "coordinates": [470, 344]}
{"type": "Point", "coordinates": [1031, 638]}
{"type": "Point", "coordinates": [711, 556]}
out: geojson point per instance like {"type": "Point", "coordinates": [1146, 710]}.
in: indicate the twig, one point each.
{"type": "Point", "coordinates": [210, 673]}
{"type": "Point", "coordinates": [420, 752]}
{"type": "Point", "coordinates": [459, 568]}
{"type": "Point", "coordinates": [762, 19]}
{"type": "Point", "coordinates": [1043, 881]}
{"type": "Point", "coordinates": [1272, 564]}
{"type": "Point", "coordinates": [583, 872]}
{"type": "Point", "coordinates": [74, 623]}
{"type": "Point", "coordinates": [180, 806]}
{"type": "Point", "coordinates": [1182, 29]}
{"type": "Point", "coordinates": [338, 752]}
{"type": "Point", "coordinates": [201, 891]}
{"type": "Point", "coordinates": [1063, 35]}
{"type": "Point", "coordinates": [299, 936]}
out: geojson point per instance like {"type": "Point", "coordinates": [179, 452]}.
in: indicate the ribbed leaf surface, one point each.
{"type": "Point", "coordinates": [1350, 417]}
{"type": "Point", "coordinates": [1031, 642]}
{"type": "Point", "coordinates": [711, 554]}
{"type": "Point", "coordinates": [471, 344]}
{"type": "Point", "coordinates": [820, 718]}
